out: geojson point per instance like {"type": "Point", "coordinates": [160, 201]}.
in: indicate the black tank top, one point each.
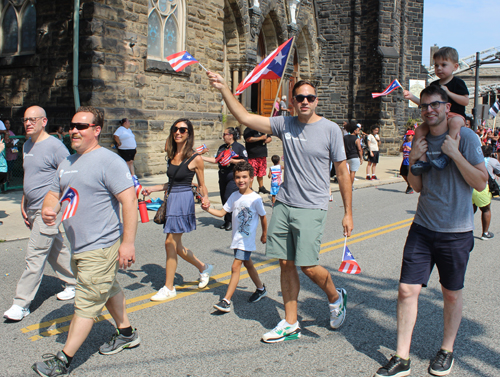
{"type": "Point", "coordinates": [184, 176]}
{"type": "Point", "coordinates": [351, 150]}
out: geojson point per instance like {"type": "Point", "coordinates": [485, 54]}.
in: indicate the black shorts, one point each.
{"type": "Point", "coordinates": [127, 154]}
{"type": "Point", "coordinates": [374, 159]}
{"type": "Point", "coordinates": [403, 170]}
{"type": "Point", "coordinates": [425, 248]}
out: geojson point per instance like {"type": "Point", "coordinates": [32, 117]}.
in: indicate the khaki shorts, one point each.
{"type": "Point", "coordinates": [295, 234]}
{"type": "Point", "coordinates": [481, 199]}
{"type": "Point", "coordinates": [95, 272]}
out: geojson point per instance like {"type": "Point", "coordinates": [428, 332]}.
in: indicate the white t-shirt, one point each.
{"type": "Point", "coordinates": [2, 126]}
{"type": "Point", "coordinates": [246, 210]}
{"type": "Point", "coordinates": [127, 138]}
{"type": "Point", "coordinates": [372, 142]}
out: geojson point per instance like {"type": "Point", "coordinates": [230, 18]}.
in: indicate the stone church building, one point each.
{"type": "Point", "coordinates": [112, 54]}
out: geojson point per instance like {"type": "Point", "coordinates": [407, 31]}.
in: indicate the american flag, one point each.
{"type": "Point", "coordinates": [181, 60]}
{"type": "Point", "coordinates": [271, 67]}
{"type": "Point", "coordinates": [137, 186]}
{"type": "Point", "coordinates": [394, 85]}
{"type": "Point", "coordinates": [349, 264]}
{"type": "Point", "coordinates": [225, 156]}
{"type": "Point", "coordinates": [201, 148]}
{"type": "Point", "coordinates": [495, 108]}
{"type": "Point", "coordinates": [71, 196]}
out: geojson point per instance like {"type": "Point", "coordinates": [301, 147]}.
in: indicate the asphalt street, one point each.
{"type": "Point", "coordinates": [185, 336]}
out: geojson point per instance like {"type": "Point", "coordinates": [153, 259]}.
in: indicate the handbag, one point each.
{"type": "Point", "coordinates": [492, 183]}
{"type": "Point", "coordinates": [162, 211]}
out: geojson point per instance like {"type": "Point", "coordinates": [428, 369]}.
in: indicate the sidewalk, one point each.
{"type": "Point", "coordinates": [13, 225]}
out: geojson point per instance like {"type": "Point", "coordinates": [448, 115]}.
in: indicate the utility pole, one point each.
{"type": "Point", "coordinates": [476, 93]}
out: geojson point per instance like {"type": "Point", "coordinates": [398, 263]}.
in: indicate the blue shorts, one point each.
{"type": "Point", "coordinates": [242, 254]}
{"type": "Point", "coordinates": [275, 190]}
{"type": "Point", "coordinates": [425, 248]}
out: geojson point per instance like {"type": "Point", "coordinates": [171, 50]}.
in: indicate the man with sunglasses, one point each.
{"type": "Point", "coordinates": [94, 182]}
{"type": "Point", "coordinates": [310, 143]}
{"type": "Point", "coordinates": [441, 232]}
{"type": "Point", "coordinates": [42, 156]}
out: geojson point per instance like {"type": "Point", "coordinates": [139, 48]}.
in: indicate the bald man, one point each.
{"type": "Point", "coordinates": [42, 156]}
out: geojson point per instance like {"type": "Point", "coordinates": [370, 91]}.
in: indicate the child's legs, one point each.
{"type": "Point", "coordinates": [235, 278]}
{"type": "Point", "coordinates": [374, 167]}
{"type": "Point", "coordinates": [368, 166]}
{"type": "Point", "coordinates": [274, 199]}
{"type": "Point", "coordinates": [454, 125]}
{"type": "Point", "coordinates": [252, 271]}
{"type": "Point", "coordinates": [421, 131]}
{"type": "Point", "coordinates": [353, 174]}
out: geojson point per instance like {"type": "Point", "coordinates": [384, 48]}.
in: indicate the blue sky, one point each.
{"type": "Point", "coordinates": [468, 25]}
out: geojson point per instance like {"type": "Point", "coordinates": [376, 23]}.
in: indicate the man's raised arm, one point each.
{"type": "Point", "coordinates": [255, 122]}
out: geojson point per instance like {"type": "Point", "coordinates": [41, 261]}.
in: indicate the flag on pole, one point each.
{"type": "Point", "coordinates": [495, 108]}
{"type": "Point", "coordinates": [137, 186]}
{"type": "Point", "coordinates": [72, 197]}
{"type": "Point", "coordinates": [181, 60]}
{"type": "Point", "coordinates": [349, 264]}
{"type": "Point", "coordinates": [394, 85]}
{"type": "Point", "coordinates": [271, 67]}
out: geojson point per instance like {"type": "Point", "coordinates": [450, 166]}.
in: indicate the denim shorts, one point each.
{"type": "Point", "coordinates": [242, 254]}
{"type": "Point", "coordinates": [425, 248]}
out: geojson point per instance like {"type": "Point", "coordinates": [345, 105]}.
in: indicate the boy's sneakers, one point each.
{"type": "Point", "coordinates": [164, 294]}
{"type": "Point", "coordinates": [374, 178]}
{"type": "Point", "coordinates": [205, 276]}
{"type": "Point", "coordinates": [368, 177]}
{"type": "Point", "coordinates": [396, 367]}
{"type": "Point", "coordinates": [16, 313]}
{"type": "Point", "coordinates": [338, 310]}
{"type": "Point", "coordinates": [441, 162]}
{"type": "Point", "coordinates": [67, 294]}
{"type": "Point", "coordinates": [283, 331]}
{"type": "Point", "coordinates": [119, 342]}
{"type": "Point", "coordinates": [409, 190]}
{"type": "Point", "coordinates": [442, 363]}
{"type": "Point", "coordinates": [487, 236]}
{"type": "Point", "coordinates": [420, 167]}
{"type": "Point", "coordinates": [223, 306]}
{"type": "Point", "coordinates": [258, 294]}
{"type": "Point", "coordinates": [53, 365]}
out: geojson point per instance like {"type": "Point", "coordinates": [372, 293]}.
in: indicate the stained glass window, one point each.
{"type": "Point", "coordinates": [166, 28]}
{"type": "Point", "coordinates": [18, 27]}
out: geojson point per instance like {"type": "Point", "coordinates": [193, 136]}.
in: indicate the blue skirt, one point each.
{"type": "Point", "coordinates": [180, 217]}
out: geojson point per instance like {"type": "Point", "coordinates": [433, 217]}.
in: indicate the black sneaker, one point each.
{"type": "Point", "coordinates": [441, 162]}
{"type": "Point", "coordinates": [223, 306]}
{"type": "Point", "coordinates": [396, 367]}
{"type": "Point", "coordinates": [442, 363]}
{"type": "Point", "coordinates": [263, 190]}
{"type": "Point", "coordinates": [420, 167]}
{"type": "Point", "coordinates": [409, 190]}
{"type": "Point", "coordinates": [257, 295]}
{"type": "Point", "coordinates": [487, 236]}
{"type": "Point", "coordinates": [53, 365]}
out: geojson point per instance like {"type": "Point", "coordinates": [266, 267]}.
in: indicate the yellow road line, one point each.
{"type": "Point", "coordinates": [186, 290]}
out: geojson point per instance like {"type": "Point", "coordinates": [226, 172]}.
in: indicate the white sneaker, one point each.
{"type": "Point", "coordinates": [282, 331]}
{"type": "Point", "coordinates": [205, 276]}
{"type": "Point", "coordinates": [67, 294]}
{"type": "Point", "coordinates": [338, 311]}
{"type": "Point", "coordinates": [16, 313]}
{"type": "Point", "coordinates": [164, 294]}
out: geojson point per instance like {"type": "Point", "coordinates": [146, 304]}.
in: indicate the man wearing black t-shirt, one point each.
{"type": "Point", "coordinates": [256, 146]}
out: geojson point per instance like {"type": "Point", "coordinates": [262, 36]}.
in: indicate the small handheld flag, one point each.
{"type": "Point", "coordinates": [137, 185]}
{"type": "Point", "coordinates": [181, 60]}
{"type": "Point", "coordinates": [201, 148]}
{"type": "Point", "coordinates": [394, 85]}
{"type": "Point", "coordinates": [495, 109]}
{"type": "Point", "coordinates": [72, 197]}
{"type": "Point", "coordinates": [225, 156]}
{"type": "Point", "coordinates": [349, 264]}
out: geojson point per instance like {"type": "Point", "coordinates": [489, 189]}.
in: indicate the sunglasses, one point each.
{"type": "Point", "coordinates": [181, 130]}
{"type": "Point", "coordinates": [310, 98]}
{"type": "Point", "coordinates": [434, 105]}
{"type": "Point", "coordinates": [80, 126]}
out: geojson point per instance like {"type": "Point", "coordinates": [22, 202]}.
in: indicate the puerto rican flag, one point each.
{"type": "Point", "coordinates": [181, 60]}
{"type": "Point", "coordinates": [495, 109]}
{"type": "Point", "coordinates": [201, 148]}
{"type": "Point", "coordinates": [137, 186]}
{"type": "Point", "coordinates": [271, 67]}
{"type": "Point", "coordinates": [394, 85]}
{"type": "Point", "coordinates": [225, 156]}
{"type": "Point", "coordinates": [72, 197]}
{"type": "Point", "coordinates": [349, 264]}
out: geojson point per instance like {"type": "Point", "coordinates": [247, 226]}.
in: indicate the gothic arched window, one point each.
{"type": "Point", "coordinates": [17, 27]}
{"type": "Point", "coordinates": [166, 28]}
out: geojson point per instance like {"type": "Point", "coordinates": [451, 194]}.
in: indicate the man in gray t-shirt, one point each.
{"type": "Point", "coordinates": [42, 155]}
{"type": "Point", "coordinates": [310, 143]}
{"type": "Point", "coordinates": [441, 232]}
{"type": "Point", "coordinates": [91, 185]}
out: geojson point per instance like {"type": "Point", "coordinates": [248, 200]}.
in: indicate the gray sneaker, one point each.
{"type": "Point", "coordinates": [119, 342]}
{"type": "Point", "coordinates": [53, 365]}
{"type": "Point", "coordinates": [338, 312]}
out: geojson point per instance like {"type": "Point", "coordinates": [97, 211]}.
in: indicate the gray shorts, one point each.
{"type": "Point", "coordinates": [295, 234]}
{"type": "Point", "coordinates": [354, 164]}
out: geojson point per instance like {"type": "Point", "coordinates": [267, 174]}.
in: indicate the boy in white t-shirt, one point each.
{"type": "Point", "coordinates": [246, 207]}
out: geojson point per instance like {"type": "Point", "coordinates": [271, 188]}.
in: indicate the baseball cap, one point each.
{"type": "Point", "coordinates": [410, 132]}
{"type": "Point", "coordinates": [358, 125]}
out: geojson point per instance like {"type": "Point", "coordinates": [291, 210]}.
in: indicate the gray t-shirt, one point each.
{"type": "Point", "coordinates": [96, 177]}
{"type": "Point", "coordinates": [40, 164]}
{"type": "Point", "coordinates": [445, 201]}
{"type": "Point", "coordinates": [493, 166]}
{"type": "Point", "coordinates": [308, 150]}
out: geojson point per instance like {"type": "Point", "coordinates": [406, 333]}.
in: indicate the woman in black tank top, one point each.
{"type": "Point", "coordinates": [183, 164]}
